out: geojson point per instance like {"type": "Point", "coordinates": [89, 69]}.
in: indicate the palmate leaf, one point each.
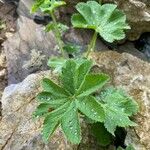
{"type": "Point", "coordinates": [118, 107]}
{"type": "Point", "coordinates": [105, 19]}
{"type": "Point", "coordinates": [62, 104]}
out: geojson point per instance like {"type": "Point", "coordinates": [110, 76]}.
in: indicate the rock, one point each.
{"type": "Point", "coordinates": [20, 132]}
{"type": "Point", "coordinates": [18, 129]}
{"type": "Point", "coordinates": [31, 37]}
{"type": "Point", "coordinates": [133, 75]}
{"type": "Point", "coordinates": [19, 49]}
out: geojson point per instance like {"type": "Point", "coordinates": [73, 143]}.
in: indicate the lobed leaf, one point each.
{"type": "Point", "coordinates": [69, 76]}
{"type": "Point", "coordinates": [118, 107]}
{"type": "Point", "coordinates": [92, 83]}
{"type": "Point", "coordinates": [70, 124]}
{"type": "Point", "coordinates": [54, 89]}
{"type": "Point", "coordinates": [105, 19]}
{"type": "Point", "coordinates": [91, 108]}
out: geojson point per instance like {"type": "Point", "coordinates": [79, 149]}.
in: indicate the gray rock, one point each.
{"type": "Point", "coordinates": [19, 49]}
{"type": "Point", "coordinates": [18, 129]}
{"type": "Point", "coordinates": [19, 132]}
{"type": "Point", "coordinates": [29, 39]}
{"type": "Point", "coordinates": [133, 75]}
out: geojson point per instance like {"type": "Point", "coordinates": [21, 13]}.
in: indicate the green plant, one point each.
{"type": "Point", "coordinates": [78, 91]}
{"type": "Point", "coordinates": [49, 7]}
{"type": "Point", "coordinates": [62, 104]}
{"type": "Point", "coordinates": [105, 19]}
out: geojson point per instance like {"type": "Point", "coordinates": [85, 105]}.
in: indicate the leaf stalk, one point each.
{"type": "Point", "coordinates": [91, 46]}
{"type": "Point", "coordinates": [57, 34]}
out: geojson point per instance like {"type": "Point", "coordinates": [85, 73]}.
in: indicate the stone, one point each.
{"type": "Point", "coordinates": [20, 132]}
{"type": "Point", "coordinates": [19, 49]}
{"type": "Point", "coordinates": [132, 75]}
{"type": "Point", "coordinates": [30, 36]}
{"type": "Point", "coordinates": [18, 129]}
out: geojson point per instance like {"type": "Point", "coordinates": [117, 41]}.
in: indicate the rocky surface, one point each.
{"type": "Point", "coordinates": [133, 75]}
{"type": "Point", "coordinates": [19, 48]}
{"type": "Point", "coordinates": [19, 132]}
{"type": "Point", "coordinates": [29, 39]}
{"type": "Point", "coordinates": [18, 129]}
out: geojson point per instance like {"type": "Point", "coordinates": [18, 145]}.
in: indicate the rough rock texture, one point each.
{"type": "Point", "coordinates": [19, 47]}
{"type": "Point", "coordinates": [30, 39]}
{"type": "Point", "coordinates": [18, 129]}
{"type": "Point", "coordinates": [19, 132]}
{"type": "Point", "coordinates": [133, 75]}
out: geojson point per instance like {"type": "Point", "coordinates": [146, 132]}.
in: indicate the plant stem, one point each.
{"type": "Point", "coordinates": [57, 34]}
{"type": "Point", "coordinates": [92, 44]}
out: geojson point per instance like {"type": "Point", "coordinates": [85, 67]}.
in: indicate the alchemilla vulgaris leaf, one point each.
{"type": "Point", "coordinates": [60, 104]}
{"type": "Point", "coordinates": [118, 107]}
{"type": "Point", "coordinates": [105, 19]}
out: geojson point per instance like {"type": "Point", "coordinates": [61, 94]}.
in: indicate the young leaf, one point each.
{"type": "Point", "coordinates": [57, 64]}
{"type": "Point", "coordinates": [47, 6]}
{"type": "Point", "coordinates": [50, 27]}
{"type": "Point", "coordinates": [91, 108]}
{"type": "Point", "coordinates": [72, 48]}
{"type": "Point", "coordinates": [36, 5]}
{"type": "Point", "coordinates": [92, 83]}
{"type": "Point", "coordinates": [105, 19]}
{"type": "Point", "coordinates": [70, 124]}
